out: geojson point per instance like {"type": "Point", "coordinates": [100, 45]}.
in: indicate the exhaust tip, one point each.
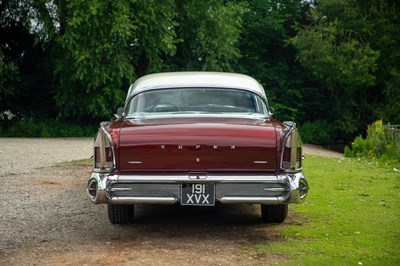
{"type": "Point", "coordinates": [92, 189]}
{"type": "Point", "coordinates": [303, 189]}
{"type": "Point", "coordinates": [96, 188]}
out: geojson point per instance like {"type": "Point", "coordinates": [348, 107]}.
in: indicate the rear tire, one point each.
{"type": "Point", "coordinates": [274, 213]}
{"type": "Point", "coordinates": [120, 213]}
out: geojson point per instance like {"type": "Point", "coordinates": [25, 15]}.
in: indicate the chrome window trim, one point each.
{"type": "Point", "coordinates": [255, 117]}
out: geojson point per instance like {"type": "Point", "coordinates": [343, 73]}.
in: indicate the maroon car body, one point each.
{"type": "Point", "coordinates": [197, 138]}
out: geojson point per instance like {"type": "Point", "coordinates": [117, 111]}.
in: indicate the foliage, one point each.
{"type": "Point", "coordinates": [360, 147]}
{"type": "Point", "coordinates": [343, 221]}
{"type": "Point", "coordinates": [380, 142]}
{"type": "Point", "coordinates": [333, 61]}
{"type": "Point", "coordinates": [101, 44]}
{"type": "Point", "coordinates": [267, 55]}
{"type": "Point", "coordinates": [31, 127]}
{"type": "Point", "coordinates": [8, 71]}
{"type": "Point", "coordinates": [25, 69]}
{"type": "Point", "coordinates": [208, 33]}
{"type": "Point", "coordinates": [351, 49]}
{"type": "Point", "coordinates": [317, 132]}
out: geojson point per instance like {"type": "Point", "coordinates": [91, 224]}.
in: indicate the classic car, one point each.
{"type": "Point", "coordinates": [197, 139]}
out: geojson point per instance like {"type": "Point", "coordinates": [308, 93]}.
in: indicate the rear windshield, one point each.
{"type": "Point", "coordinates": [196, 101]}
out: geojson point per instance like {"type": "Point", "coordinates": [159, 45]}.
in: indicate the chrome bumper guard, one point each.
{"type": "Point", "coordinates": [165, 189]}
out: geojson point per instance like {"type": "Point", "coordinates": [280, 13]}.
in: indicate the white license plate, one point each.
{"type": "Point", "coordinates": [198, 194]}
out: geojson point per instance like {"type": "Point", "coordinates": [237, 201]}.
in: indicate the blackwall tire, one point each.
{"type": "Point", "coordinates": [274, 213]}
{"type": "Point", "coordinates": [120, 213]}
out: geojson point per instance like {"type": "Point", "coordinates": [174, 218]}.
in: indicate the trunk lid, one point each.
{"type": "Point", "coordinates": [197, 144]}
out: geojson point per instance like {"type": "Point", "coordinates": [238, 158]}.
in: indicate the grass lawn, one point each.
{"type": "Point", "coordinates": [351, 216]}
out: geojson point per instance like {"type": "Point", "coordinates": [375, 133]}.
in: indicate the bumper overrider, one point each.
{"type": "Point", "coordinates": [150, 188]}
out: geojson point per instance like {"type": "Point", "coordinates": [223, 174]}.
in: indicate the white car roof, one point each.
{"type": "Point", "coordinates": [195, 79]}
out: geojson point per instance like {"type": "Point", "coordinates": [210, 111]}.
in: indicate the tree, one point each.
{"type": "Point", "coordinates": [343, 50]}
{"type": "Point", "coordinates": [8, 73]}
{"type": "Point", "coordinates": [102, 45]}
{"type": "Point", "coordinates": [335, 62]}
{"type": "Point", "coordinates": [268, 56]}
{"type": "Point", "coordinates": [25, 75]}
{"type": "Point", "coordinates": [93, 50]}
{"type": "Point", "coordinates": [208, 33]}
{"type": "Point", "coordinates": [105, 45]}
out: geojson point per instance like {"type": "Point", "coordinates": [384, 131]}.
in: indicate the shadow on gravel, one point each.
{"type": "Point", "coordinates": [224, 222]}
{"type": "Point", "coordinates": [239, 223]}
{"type": "Point", "coordinates": [215, 216]}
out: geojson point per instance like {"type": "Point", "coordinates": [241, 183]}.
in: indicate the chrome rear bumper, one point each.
{"type": "Point", "coordinates": [166, 188]}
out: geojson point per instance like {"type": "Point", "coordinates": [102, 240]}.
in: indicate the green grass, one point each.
{"type": "Point", "coordinates": [351, 216]}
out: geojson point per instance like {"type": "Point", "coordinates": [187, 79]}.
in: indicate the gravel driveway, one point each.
{"type": "Point", "coordinates": [21, 155]}
{"type": "Point", "coordinates": [46, 218]}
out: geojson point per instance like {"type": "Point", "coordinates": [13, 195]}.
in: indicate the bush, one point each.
{"type": "Point", "coordinates": [359, 148]}
{"type": "Point", "coordinates": [31, 127]}
{"type": "Point", "coordinates": [317, 132]}
{"type": "Point", "coordinates": [380, 142]}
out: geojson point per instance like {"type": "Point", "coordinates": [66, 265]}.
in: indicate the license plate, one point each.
{"type": "Point", "coordinates": [198, 194]}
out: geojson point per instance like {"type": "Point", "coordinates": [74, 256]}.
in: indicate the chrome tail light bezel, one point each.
{"type": "Point", "coordinates": [292, 149]}
{"type": "Point", "coordinates": [103, 151]}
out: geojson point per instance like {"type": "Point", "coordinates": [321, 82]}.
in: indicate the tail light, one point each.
{"type": "Point", "coordinates": [103, 155]}
{"type": "Point", "coordinates": [292, 149]}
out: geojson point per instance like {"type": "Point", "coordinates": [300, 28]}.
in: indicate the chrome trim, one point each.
{"type": "Point", "coordinates": [253, 200]}
{"type": "Point", "coordinates": [292, 140]}
{"type": "Point", "coordinates": [287, 188]}
{"type": "Point", "coordinates": [275, 189]}
{"type": "Point", "coordinates": [101, 182]}
{"type": "Point", "coordinates": [252, 116]}
{"type": "Point", "coordinates": [197, 175]}
{"type": "Point", "coordinates": [110, 139]}
{"type": "Point", "coordinates": [211, 178]}
{"type": "Point", "coordinates": [147, 200]}
{"type": "Point", "coordinates": [121, 189]}
{"type": "Point", "coordinates": [135, 162]}
{"type": "Point", "coordinates": [261, 162]}
{"type": "Point", "coordinates": [102, 134]}
{"type": "Point", "coordinates": [299, 188]}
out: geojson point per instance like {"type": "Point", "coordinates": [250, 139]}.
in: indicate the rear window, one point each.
{"type": "Point", "coordinates": [196, 101]}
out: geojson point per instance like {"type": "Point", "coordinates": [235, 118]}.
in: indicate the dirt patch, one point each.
{"type": "Point", "coordinates": [310, 149]}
